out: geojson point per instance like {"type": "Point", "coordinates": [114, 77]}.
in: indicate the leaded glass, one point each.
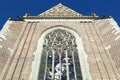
{"type": "Point", "coordinates": [59, 60]}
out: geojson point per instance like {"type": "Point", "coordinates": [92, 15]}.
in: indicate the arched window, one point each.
{"type": "Point", "coordinates": [59, 58]}
{"type": "Point", "coordinates": [60, 52]}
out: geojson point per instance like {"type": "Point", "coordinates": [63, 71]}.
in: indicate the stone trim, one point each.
{"type": "Point", "coordinates": [81, 52]}
{"type": "Point", "coordinates": [47, 20]}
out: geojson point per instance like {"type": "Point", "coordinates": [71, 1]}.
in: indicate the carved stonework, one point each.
{"type": "Point", "coordinates": [60, 59]}
{"type": "Point", "coordinates": [59, 39]}
{"type": "Point", "coordinates": [60, 10]}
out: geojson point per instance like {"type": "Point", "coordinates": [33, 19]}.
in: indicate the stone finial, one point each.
{"type": "Point", "coordinates": [59, 4]}
{"type": "Point", "coordinates": [94, 14]}
{"type": "Point", "coordinates": [27, 14]}
{"type": "Point", "coordinates": [10, 18]}
{"type": "Point", "coordinates": [110, 16]}
{"type": "Point", "coordinates": [60, 10]}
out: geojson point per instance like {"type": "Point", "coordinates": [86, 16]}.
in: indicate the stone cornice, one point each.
{"type": "Point", "coordinates": [61, 17]}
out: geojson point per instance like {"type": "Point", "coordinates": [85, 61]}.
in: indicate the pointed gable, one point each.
{"type": "Point", "coordinates": [60, 11]}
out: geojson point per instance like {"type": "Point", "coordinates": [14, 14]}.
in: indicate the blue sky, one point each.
{"type": "Point", "coordinates": [14, 8]}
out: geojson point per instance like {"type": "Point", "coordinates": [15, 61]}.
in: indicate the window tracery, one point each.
{"type": "Point", "coordinates": [59, 60]}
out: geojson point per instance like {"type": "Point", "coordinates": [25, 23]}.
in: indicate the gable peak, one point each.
{"type": "Point", "coordinates": [60, 10]}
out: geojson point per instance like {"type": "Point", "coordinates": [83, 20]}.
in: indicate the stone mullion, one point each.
{"type": "Point", "coordinates": [46, 66]}
{"type": "Point", "coordinates": [74, 65]}
{"type": "Point", "coordinates": [67, 66]}
{"type": "Point", "coordinates": [53, 52]}
{"type": "Point", "coordinates": [60, 63]}
{"type": "Point", "coordinates": [57, 42]}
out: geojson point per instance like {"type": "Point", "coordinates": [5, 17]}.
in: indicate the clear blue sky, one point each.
{"type": "Point", "coordinates": [15, 8]}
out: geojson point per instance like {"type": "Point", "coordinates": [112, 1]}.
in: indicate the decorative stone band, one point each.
{"type": "Point", "coordinates": [61, 17]}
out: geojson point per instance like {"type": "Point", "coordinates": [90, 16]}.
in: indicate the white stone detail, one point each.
{"type": "Point", "coordinates": [82, 54]}
{"type": "Point", "coordinates": [117, 38]}
{"type": "Point", "coordinates": [5, 29]}
{"type": "Point", "coordinates": [115, 25]}
{"type": "Point", "coordinates": [3, 36]}
{"type": "Point", "coordinates": [116, 32]}
{"type": "Point", "coordinates": [0, 77]}
{"type": "Point", "coordinates": [0, 39]}
{"type": "Point", "coordinates": [113, 31]}
{"type": "Point", "coordinates": [11, 50]}
{"type": "Point", "coordinates": [57, 20]}
{"type": "Point", "coordinates": [108, 47]}
{"type": "Point", "coordinates": [1, 46]}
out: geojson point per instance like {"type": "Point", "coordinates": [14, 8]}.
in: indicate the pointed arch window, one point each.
{"type": "Point", "coordinates": [59, 59]}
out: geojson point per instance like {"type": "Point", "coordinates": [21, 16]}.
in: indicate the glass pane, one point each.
{"type": "Point", "coordinates": [61, 62]}
{"type": "Point", "coordinates": [49, 66]}
{"type": "Point", "coordinates": [77, 66]}
{"type": "Point", "coordinates": [42, 66]}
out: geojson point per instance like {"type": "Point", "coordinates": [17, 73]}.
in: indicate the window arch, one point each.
{"type": "Point", "coordinates": [78, 55]}
{"type": "Point", "coordinates": [59, 60]}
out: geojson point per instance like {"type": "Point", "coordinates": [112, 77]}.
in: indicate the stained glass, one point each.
{"type": "Point", "coordinates": [60, 59]}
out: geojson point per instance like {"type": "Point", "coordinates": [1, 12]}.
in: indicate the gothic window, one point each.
{"type": "Point", "coordinates": [59, 59]}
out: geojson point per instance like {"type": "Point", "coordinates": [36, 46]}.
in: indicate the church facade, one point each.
{"type": "Point", "coordinates": [60, 44]}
